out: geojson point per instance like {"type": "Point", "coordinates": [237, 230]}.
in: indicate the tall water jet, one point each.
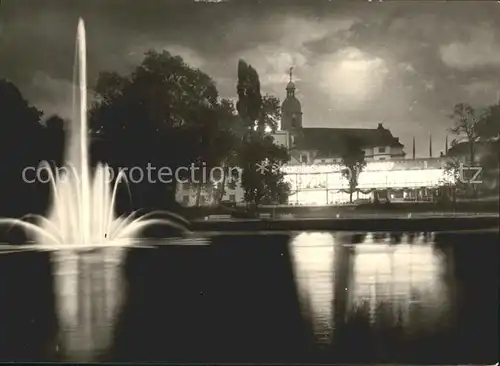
{"type": "Point", "coordinates": [87, 306]}
{"type": "Point", "coordinates": [85, 237]}
{"type": "Point", "coordinates": [89, 284]}
{"type": "Point", "coordinates": [78, 155]}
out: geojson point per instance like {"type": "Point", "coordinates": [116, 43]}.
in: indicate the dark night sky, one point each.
{"type": "Point", "coordinates": [356, 63]}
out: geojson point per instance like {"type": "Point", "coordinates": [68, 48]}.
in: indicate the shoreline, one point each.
{"type": "Point", "coordinates": [437, 224]}
{"type": "Point", "coordinates": [399, 209]}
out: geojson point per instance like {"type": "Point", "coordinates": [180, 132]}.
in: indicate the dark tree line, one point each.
{"type": "Point", "coordinates": [26, 139]}
{"type": "Point", "coordinates": [259, 114]}
{"type": "Point", "coordinates": [165, 114]}
{"type": "Point", "coordinates": [472, 126]}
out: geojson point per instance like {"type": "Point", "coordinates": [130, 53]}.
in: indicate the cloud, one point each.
{"type": "Point", "coordinates": [55, 96]}
{"type": "Point", "coordinates": [284, 49]}
{"type": "Point", "coordinates": [406, 67]}
{"type": "Point", "coordinates": [481, 50]}
{"type": "Point", "coordinates": [293, 42]}
{"type": "Point", "coordinates": [191, 57]}
{"type": "Point", "coordinates": [482, 92]}
{"type": "Point", "coordinates": [273, 63]}
{"type": "Point", "coordinates": [355, 63]}
{"type": "Point", "coordinates": [351, 76]}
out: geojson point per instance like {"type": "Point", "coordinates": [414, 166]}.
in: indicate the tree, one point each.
{"type": "Point", "coordinates": [490, 164]}
{"type": "Point", "coordinates": [21, 146]}
{"type": "Point", "coordinates": [164, 113]}
{"type": "Point", "coordinates": [276, 190]}
{"type": "Point", "coordinates": [249, 98]}
{"type": "Point", "coordinates": [54, 131]}
{"type": "Point", "coordinates": [262, 179]}
{"type": "Point", "coordinates": [270, 114]}
{"type": "Point", "coordinates": [488, 126]}
{"type": "Point", "coordinates": [466, 119]}
{"type": "Point", "coordinates": [353, 160]}
{"type": "Point", "coordinates": [488, 130]}
{"type": "Point", "coordinates": [257, 112]}
{"type": "Point", "coordinates": [259, 156]}
{"type": "Point", "coordinates": [453, 177]}
{"type": "Point", "coordinates": [226, 143]}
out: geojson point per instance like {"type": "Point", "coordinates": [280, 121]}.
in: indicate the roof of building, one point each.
{"type": "Point", "coordinates": [331, 141]}
{"type": "Point", "coordinates": [291, 104]}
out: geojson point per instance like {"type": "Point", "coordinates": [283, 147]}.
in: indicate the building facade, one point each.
{"type": "Point", "coordinates": [312, 145]}
{"type": "Point", "coordinates": [396, 180]}
{"type": "Point", "coordinates": [192, 195]}
{"type": "Point", "coordinates": [315, 171]}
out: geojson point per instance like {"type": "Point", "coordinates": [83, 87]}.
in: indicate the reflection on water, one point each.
{"type": "Point", "coordinates": [88, 288]}
{"type": "Point", "coordinates": [313, 256]}
{"type": "Point", "coordinates": [397, 297]}
{"type": "Point", "coordinates": [394, 277]}
{"type": "Point", "coordinates": [399, 280]}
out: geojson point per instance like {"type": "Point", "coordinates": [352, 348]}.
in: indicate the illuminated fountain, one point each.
{"type": "Point", "coordinates": [86, 239]}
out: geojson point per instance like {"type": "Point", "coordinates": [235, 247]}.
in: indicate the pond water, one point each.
{"type": "Point", "coordinates": [291, 297]}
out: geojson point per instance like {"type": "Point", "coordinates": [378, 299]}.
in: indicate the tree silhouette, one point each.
{"type": "Point", "coordinates": [249, 97]}
{"type": "Point", "coordinates": [488, 126]}
{"type": "Point", "coordinates": [55, 139]}
{"type": "Point", "coordinates": [466, 120]}
{"type": "Point", "coordinates": [259, 156]}
{"type": "Point", "coordinates": [165, 114]}
{"type": "Point", "coordinates": [353, 159]}
{"type": "Point", "coordinates": [21, 146]}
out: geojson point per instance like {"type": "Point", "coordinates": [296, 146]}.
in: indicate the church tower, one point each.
{"type": "Point", "coordinates": [291, 110]}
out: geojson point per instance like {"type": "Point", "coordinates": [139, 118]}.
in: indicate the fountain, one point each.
{"type": "Point", "coordinates": [85, 237]}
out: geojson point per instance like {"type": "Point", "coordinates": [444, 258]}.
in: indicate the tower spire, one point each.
{"type": "Point", "coordinates": [290, 88]}
{"type": "Point", "coordinates": [413, 147]}
{"type": "Point", "coordinates": [446, 145]}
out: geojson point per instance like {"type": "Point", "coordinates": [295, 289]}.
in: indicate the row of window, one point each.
{"type": "Point", "coordinates": [304, 159]}
{"type": "Point", "coordinates": [203, 200]}
{"type": "Point", "coordinates": [230, 184]}
{"type": "Point", "coordinates": [323, 161]}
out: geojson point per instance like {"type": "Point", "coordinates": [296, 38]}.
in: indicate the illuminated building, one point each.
{"type": "Point", "coordinates": [404, 180]}
{"type": "Point", "coordinates": [205, 195]}
{"type": "Point", "coordinates": [314, 170]}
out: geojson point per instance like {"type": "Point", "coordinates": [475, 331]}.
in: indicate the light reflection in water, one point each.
{"type": "Point", "coordinates": [402, 274]}
{"type": "Point", "coordinates": [91, 312]}
{"type": "Point", "coordinates": [403, 279]}
{"type": "Point", "coordinates": [84, 234]}
{"type": "Point", "coordinates": [313, 255]}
